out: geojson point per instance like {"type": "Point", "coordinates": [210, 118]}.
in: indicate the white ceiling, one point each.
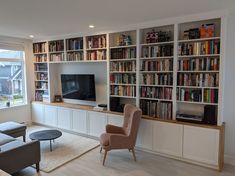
{"type": "Point", "coordinates": [46, 18]}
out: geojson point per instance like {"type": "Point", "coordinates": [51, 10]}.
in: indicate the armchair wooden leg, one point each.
{"type": "Point", "coordinates": [133, 153]}
{"type": "Point", "coordinates": [24, 138]}
{"type": "Point", "coordinates": [37, 167]}
{"type": "Point", "coordinates": [100, 149]}
{"type": "Point", "coordinates": [105, 154]}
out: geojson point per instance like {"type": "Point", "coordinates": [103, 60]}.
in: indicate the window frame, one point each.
{"type": "Point", "coordinates": [23, 65]}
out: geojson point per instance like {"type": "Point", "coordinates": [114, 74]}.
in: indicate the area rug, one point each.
{"type": "Point", "coordinates": [66, 148]}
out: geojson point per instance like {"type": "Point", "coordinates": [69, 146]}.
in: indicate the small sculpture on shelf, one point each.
{"type": "Point", "coordinates": [124, 40]}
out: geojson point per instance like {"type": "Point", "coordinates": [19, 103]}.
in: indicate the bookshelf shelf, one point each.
{"type": "Point", "coordinates": [119, 84]}
{"type": "Point", "coordinates": [56, 52]}
{"type": "Point", "coordinates": [200, 103]}
{"type": "Point", "coordinates": [156, 71]}
{"type": "Point", "coordinates": [157, 43]}
{"type": "Point", "coordinates": [197, 87]}
{"type": "Point", "coordinates": [119, 96]}
{"type": "Point", "coordinates": [42, 53]}
{"type": "Point", "coordinates": [144, 98]}
{"type": "Point", "coordinates": [94, 49]}
{"type": "Point", "coordinates": [202, 71]}
{"type": "Point", "coordinates": [122, 60]}
{"type": "Point", "coordinates": [154, 58]}
{"type": "Point", "coordinates": [126, 46]}
{"type": "Point", "coordinates": [206, 55]}
{"type": "Point", "coordinates": [79, 50]}
{"type": "Point", "coordinates": [199, 40]}
{"type": "Point", "coordinates": [41, 80]}
{"type": "Point", "coordinates": [150, 85]}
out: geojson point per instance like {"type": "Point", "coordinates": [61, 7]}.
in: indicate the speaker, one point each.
{"type": "Point", "coordinates": [210, 115]}
{"type": "Point", "coordinates": [114, 103]}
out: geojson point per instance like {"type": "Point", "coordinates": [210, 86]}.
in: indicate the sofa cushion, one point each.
{"type": "Point", "coordinates": [11, 127]}
{"type": "Point", "coordinates": [11, 145]}
{"type": "Point", "coordinates": [5, 139]}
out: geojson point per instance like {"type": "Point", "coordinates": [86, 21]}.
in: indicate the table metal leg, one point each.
{"type": "Point", "coordinates": [50, 146]}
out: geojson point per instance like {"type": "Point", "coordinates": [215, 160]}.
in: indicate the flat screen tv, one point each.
{"type": "Point", "coordinates": [78, 86]}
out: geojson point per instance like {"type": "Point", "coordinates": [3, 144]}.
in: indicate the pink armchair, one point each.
{"type": "Point", "coordinates": [122, 137]}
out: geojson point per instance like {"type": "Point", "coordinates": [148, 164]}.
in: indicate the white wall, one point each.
{"type": "Point", "coordinates": [98, 69]}
{"type": "Point", "coordinates": [229, 90]}
{"type": "Point", "coordinates": [21, 113]}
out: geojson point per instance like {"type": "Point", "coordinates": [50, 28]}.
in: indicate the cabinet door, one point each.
{"type": "Point", "coordinates": [64, 118]}
{"type": "Point", "coordinates": [145, 134]}
{"type": "Point", "coordinates": [201, 144]}
{"type": "Point", "coordinates": [167, 138]}
{"type": "Point", "coordinates": [38, 113]}
{"type": "Point", "coordinates": [79, 121]}
{"type": "Point", "coordinates": [51, 115]}
{"type": "Point", "coordinates": [97, 123]}
{"type": "Point", "coordinates": [116, 120]}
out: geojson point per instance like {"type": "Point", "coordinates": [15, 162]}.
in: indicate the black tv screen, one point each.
{"type": "Point", "coordinates": [80, 87]}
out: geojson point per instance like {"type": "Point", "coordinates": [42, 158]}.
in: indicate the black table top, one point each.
{"type": "Point", "coordinates": [44, 135]}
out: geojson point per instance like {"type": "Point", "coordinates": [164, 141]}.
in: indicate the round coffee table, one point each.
{"type": "Point", "coordinates": [45, 135]}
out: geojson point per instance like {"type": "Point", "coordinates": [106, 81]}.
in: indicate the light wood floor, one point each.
{"type": "Point", "coordinates": [120, 163]}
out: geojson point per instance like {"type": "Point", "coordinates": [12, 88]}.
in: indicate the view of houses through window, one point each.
{"type": "Point", "coordinates": [11, 78]}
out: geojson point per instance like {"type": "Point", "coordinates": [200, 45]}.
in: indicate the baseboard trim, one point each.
{"type": "Point", "coordinates": [228, 159]}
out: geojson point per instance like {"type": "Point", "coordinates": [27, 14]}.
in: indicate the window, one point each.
{"type": "Point", "coordinates": [12, 89]}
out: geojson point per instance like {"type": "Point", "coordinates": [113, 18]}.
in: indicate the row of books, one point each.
{"type": "Point", "coordinates": [122, 79]}
{"type": "Point", "coordinates": [56, 46]}
{"type": "Point", "coordinates": [57, 57]}
{"type": "Point", "coordinates": [96, 55]}
{"type": "Point", "coordinates": [75, 56]}
{"type": "Point", "coordinates": [123, 90]}
{"type": "Point", "coordinates": [41, 85]}
{"type": "Point", "coordinates": [123, 66]}
{"type": "Point", "coordinates": [199, 48]}
{"type": "Point", "coordinates": [195, 79]}
{"type": "Point", "coordinates": [156, 92]}
{"type": "Point", "coordinates": [40, 58]}
{"type": "Point", "coordinates": [96, 42]}
{"type": "Point", "coordinates": [39, 48]}
{"type": "Point", "coordinates": [199, 64]}
{"type": "Point", "coordinates": [157, 51]}
{"type": "Point", "coordinates": [156, 79]}
{"type": "Point", "coordinates": [41, 76]}
{"type": "Point", "coordinates": [156, 109]}
{"type": "Point", "coordinates": [210, 95]}
{"type": "Point", "coordinates": [40, 67]}
{"type": "Point", "coordinates": [193, 95]}
{"type": "Point", "coordinates": [158, 65]}
{"type": "Point", "coordinates": [123, 53]}
{"type": "Point", "coordinates": [74, 44]}
{"type": "Point", "coordinates": [40, 94]}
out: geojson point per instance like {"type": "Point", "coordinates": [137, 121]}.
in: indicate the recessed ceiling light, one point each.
{"type": "Point", "coordinates": [31, 36]}
{"type": "Point", "coordinates": [91, 26]}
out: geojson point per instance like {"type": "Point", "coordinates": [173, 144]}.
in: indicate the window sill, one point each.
{"type": "Point", "coordinates": [14, 107]}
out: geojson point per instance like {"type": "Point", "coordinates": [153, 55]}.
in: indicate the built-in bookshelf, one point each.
{"type": "Point", "coordinates": [198, 66]}
{"type": "Point", "coordinates": [123, 64]}
{"type": "Point", "coordinates": [156, 71]}
{"type": "Point", "coordinates": [41, 71]}
{"type": "Point", "coordinates": [74, 49]}
{"type": "Point", "coordinates": [96, 47]}
{"type": "Point", "coordinates": [165, 70]}
{"type": "Point", "coordinates": [56, 51]}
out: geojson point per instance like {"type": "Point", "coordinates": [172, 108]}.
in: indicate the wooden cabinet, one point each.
{"type": "Point", "coordinates": [167, 138]}
{"type": "Point", "coordinates": [145, 135]}
{"type": "Point", "coordinates": [51, 115]}
{"type": "Point", "coordinates": [64, 118]}
{"type": "Point", "coordinates": [201, 144]}
{"type": "Point", "coordinates": [97, 123]}
{"type": "Point", "coordinates": [79, 121]}
{"type": "Point", "coordinates": [38, 113]}
{"type": "Point", "coordinates": [116, 120]}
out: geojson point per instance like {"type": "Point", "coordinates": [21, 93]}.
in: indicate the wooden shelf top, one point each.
{"type": "Point", "coordinates": [90, 108]}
